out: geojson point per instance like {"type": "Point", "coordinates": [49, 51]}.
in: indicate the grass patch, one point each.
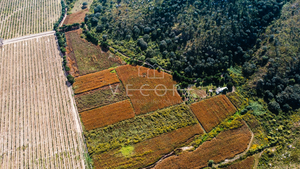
{"type": "Point", "coordinates": [127, 151]}
{"type": "Point", "coordinates": [78, 5]}
{"type": "Point", "coordinates": [89, 57]}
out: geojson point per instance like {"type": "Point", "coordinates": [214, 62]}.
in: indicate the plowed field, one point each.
{"type": "Point", "coordinates": [107, 115]}
{"type": "Point", "coordinates": [225, 146]}
{"type": "Point", "coordinates": [248, 163]}
{"type": "Point", "coordinates": [95, 81]}
{"type": "Point", "coordinates": [77, 17]}
{"type": "Point", "coordinates": [148, 89]}
{"type": "Point", "coordinates": [212, 111]}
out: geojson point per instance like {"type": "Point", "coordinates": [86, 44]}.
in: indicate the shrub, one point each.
{"type": "Point", "coordinates": [71, 79]}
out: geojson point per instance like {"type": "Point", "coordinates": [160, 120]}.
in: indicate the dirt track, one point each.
{"type": "Point", "coordinates": [19, 39]}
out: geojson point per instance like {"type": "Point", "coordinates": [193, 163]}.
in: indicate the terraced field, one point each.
{"type": "Point", "coordinates": [24, 17]}
{"type": "Point", "coordinates": [38, 123]}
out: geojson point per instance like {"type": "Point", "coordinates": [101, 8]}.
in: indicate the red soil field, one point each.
{"type": "Point", "coordinates": [248, 163]}
{"type": "Point", "coordinates": [94, 81]}
{"type": "Point", "coordinates": [225, 146]}
{"type": "Point", "coordinates": [211, 112]}
{"type": "Point", "coordinates": [77, 17]}
{"type": "Point", "coordinates": [136, 77]}
{"type": "Point", "coordinates": [107, 115]}
{"type": "Point", "coordinates": [147, 152]}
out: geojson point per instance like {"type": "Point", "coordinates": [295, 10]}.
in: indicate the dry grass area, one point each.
{"type": "Point", "coordinates": [85, 57]}
{"type": "Point", "coordinates": [77, 17]}
{"type": "Point", "coordinates": [148, 99]}
{"type": "Point", "coordinates": [147, 152]}
{"type": "Point", "coordinates": [107, 115]}
{"type": "Point", "coordinates": [211, 112]}
{"type": "Point", "coordinates": [94, 81]}
{"type": "Point", "coordinates": [78, 5]}
{"type": "Point", "coordinates": [248, 163]}
{"type": "Point", "coordinates": [38, 123]}
{"type": "Point", "coordinates": [225, 146]}
{"type": "Point", "coordinates": [100, 97]}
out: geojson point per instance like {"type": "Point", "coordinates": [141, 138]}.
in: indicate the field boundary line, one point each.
{"type": "Point", "coordinates": [28, 37]}
{"type": "Point", "coordinates": [196, 118]}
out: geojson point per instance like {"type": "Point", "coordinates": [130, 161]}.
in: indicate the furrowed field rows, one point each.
{"type": "Point", "coordinates": [24, 17]}
{"type": "Point", "coordinates": [37, 124]}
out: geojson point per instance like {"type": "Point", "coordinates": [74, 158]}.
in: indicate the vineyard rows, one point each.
{"type": "Point", "coordinates": [38, 125]}
{"type": "Point", "coordinates": [24, 17]}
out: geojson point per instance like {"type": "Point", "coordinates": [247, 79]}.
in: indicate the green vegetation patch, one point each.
{"type": "Point", "coordinates": [127, 151]}
{"type": "Point", "coordinates": [138, 129]}
{"type": "Point", "coordinates": [287, 153]}
{"type": "Point", "coordinates": [101, 97]}
{"type": "Point", "coordinates": [237, 99]}
{"type": "Point", "coordinates": [89, 57]}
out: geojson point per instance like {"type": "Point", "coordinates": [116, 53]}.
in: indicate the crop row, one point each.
{"type": "Point", "coordinates": [37, 123]}
{"type": "Point", "coordinates": [24, 17]}
{"type": "Point", "coordinates": [94, 81]}
{"type": "Point", "coordinates": [211, 112]}
{"type": "Point", "coordinates": [107, 115]}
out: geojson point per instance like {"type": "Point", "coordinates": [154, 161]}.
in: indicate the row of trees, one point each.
{"type": "Point", "coordinates": [63, 11]}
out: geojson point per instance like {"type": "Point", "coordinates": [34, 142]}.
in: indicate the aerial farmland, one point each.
{"type": "Point", "coordinates": [39, 127]}
{"type": "Point", "coordinates": [133, 84]}
{"type": "Point", "coordinates": [19, 18]}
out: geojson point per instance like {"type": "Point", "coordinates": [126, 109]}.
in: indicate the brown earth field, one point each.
{"type": "Point", "coordinates": [85, 57]}
{"type": "Point", "coordinates": [153, 95]}
{"type": "Point", "coordinates": [100, 97]}
{"type": "Point", "coordinates": [107, 115]}
{"type": "Point", "coordinates": [226, 145]}
{"type": "Point", "coordinates": [147, 152]}
{"type": "Point", "coordinates": [248, 163]}
{"type": "Point", "coordinates": [95, 80]}
{"type": "Point", "coordinates": [211, 112]}
{"type": "Point", "coordinates": [77, 17]}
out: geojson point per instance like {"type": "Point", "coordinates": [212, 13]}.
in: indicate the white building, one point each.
{"type": "Point", "coordinates": [220, 89]}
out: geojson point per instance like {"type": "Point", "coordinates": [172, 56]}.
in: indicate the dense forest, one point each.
{"type": "Point", "coordinates": [196, 39]}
